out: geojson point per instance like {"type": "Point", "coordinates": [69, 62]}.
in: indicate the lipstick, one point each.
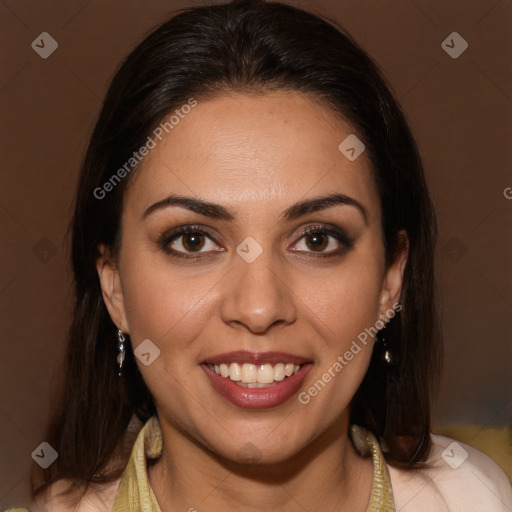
{"type": "Point", "coordinates": [257, 397]}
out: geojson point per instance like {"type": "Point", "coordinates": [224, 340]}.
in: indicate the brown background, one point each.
{"type": "Point", "coordinates": [459, 109]}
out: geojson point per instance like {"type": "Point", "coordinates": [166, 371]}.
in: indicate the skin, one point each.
{"type": "Point", "coordinates": [256, 155]}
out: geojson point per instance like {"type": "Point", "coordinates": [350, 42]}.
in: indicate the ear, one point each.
{"type": "Point", "coordinates": [110, 283]}
{"type": "Point", "coordinates": [392, 283]}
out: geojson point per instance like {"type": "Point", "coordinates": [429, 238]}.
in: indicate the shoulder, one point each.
{"type": "Point", "coordinates": [97, 499]}
{"type": "Point", "coordinates": [456, 477]}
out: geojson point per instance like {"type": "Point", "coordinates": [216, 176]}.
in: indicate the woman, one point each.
{"type": "Point", "coordinates": [253, 248]}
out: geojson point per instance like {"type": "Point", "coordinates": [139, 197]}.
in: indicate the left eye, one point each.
{"type": "Point", "coordinates": [318, 241]}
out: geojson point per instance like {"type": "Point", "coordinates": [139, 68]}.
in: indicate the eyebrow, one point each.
{"type": "Point", "coordinates": [217, 211]}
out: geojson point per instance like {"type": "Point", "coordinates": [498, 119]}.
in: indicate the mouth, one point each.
{"type": "Point", "coordinates": [256, 380]}
{"type": "Point", "coordinates": [255, 376]}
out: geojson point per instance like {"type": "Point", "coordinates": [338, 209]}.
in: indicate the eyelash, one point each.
{"type": "Point", "coordinates": [338, 234]}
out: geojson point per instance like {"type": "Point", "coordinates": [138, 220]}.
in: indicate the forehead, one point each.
{"type": "Point", "coordinates": [249, 150]}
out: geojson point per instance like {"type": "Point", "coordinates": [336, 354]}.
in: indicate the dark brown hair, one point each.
{"type": "Point", "coordinates": [244, 46]}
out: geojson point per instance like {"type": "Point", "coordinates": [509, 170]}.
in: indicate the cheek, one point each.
{"type": "Point", "coordinates": [342, 312]}
{"type": "Point", "coordinates": [345, 301]}
{"type": "Point", "coordinates": [164, 303]}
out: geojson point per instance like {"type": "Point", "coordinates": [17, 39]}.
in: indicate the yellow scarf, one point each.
{"type": "Point", "coordinates": [136, 495]}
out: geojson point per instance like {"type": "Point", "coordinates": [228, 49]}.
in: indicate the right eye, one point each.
{"type": "Point", "coordinates": [185, 241]}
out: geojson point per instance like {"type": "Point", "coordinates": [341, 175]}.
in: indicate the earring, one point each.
{"type": "Point", "coordinates": [120, 350]}
{"type": "Point", "coordinates": [381, 337]}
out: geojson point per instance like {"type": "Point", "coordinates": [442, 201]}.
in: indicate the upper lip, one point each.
{"type": "Point", "coordinates": [256, 358]}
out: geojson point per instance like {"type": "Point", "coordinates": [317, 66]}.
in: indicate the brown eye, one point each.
{"type": "Point", "coordinates": [323, 241]}
{"type": "Point", "coordinates": [193, 241]}
{"type": "Point", "coordinates": [189, 242]}
{"type": "Point", "coordinates": [317, 241]}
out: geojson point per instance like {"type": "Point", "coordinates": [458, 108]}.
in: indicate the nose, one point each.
{"type": "Point", "coordinates": [256, 296]}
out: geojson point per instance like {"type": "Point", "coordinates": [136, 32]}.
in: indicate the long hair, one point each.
{"type": "Point", "coordinates": [243, 46]}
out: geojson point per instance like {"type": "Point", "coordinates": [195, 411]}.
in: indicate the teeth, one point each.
{"type": "Point", "coordinates": [235, 372]}
{"type": "Point", "coordinates": [249, 373]}
{"type": "Point", "coordinates": [279, 372]}
{"type": "Point", "coordinates": [265, 374]}
{"type": "Point", "coordinates": [224, 370]}
{"type": "Point", "coordinates": [255, 376]}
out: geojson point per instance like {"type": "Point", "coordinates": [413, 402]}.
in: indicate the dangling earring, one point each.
{"type": "Point", "coordinates": [381, 338]}
{"type": "Point", "coordinates": [120, 350]}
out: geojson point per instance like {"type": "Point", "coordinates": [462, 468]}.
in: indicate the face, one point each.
{"type": "Point", "coordinates": [268, 279]}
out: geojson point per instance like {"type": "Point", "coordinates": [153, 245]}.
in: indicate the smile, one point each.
{"type": "Point", "coordinates": [255, 376]}
{"type": "Point", "coordinates": [256, 380]}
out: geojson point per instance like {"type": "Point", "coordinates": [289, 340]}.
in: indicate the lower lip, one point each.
{"type": "Point", "coordinates": [257, 398]}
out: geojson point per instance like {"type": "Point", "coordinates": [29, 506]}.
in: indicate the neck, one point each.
{"type": "Point", "coordinates": [327, 475]}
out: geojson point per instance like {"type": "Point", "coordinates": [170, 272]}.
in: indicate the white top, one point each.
{"type": "Point", "coordinates": [461, 478]}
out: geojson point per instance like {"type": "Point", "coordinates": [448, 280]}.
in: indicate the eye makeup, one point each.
{"type": "Point", "coordinates": [194, 236]}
